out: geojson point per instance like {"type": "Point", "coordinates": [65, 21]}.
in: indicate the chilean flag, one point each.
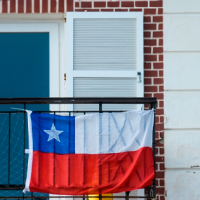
{"type": "Point", "coordinates": [90, 154]}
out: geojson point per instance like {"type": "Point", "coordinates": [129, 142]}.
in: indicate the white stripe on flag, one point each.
{"type": "Point", "coordinates": [113, 132]}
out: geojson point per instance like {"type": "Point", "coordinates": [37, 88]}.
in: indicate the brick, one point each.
{"type": "Point", "coordinates": [150, 73]}
{"type": "Point", "coordinates": [36, 6]}
{"type": "Point", "coordinates": [20, 6]}
{"type": "Point", "coordinates": [106, 10]}
{"type": "Point", "coordinates": [53, 6]}
{"type": "Point", "coordinates": [28, 7]}
{"type": "Point", "coordinates": [61, 6]}
{"type": "Point", "coordinates": [92, 10]}
{"type": "Point", "coordinates": [158, 50]}
{"type": "Point", "coordinates": [150, 57]}
{"type": "Point", "coordinates": [70, 6]}
{"type": "Point", "coordinates": [157, 137]}
{"type": "Point", "coordinates": [158, 80]}
{"type": "Point", "coordinates": [135, 10]}
{"type": "Point", "coordinates": [147, 34]}
{"type": "Point", "coordinates": [4, 6]}
{"type": "Point", "coordinates": [77, 4]}
{"type": "Point", "coordinates": [162, 149]}
{"type": "Point", "coordinates": [148, 95]}
{"type": "Point", "coordinates": [159, 159]}
{"type": "Point", "coordinates": [127, 4]}
{"type": "Point", "coordinates": [149, 26]}
{"type": "Point", "coordinates": [157, 182]}
{"type": "Point", "coordinates": [161, 89]}
{"type": "Point", "coordinates": [162, 134]}
{"type": "Point", "coordinates": [158, 34]}
{"type": "Point", "coordinates": [159, 95]}
{"type": "Point", "coordinates": [80, 10]}
{"type": "Point", "coordinates": [100, 4]}
{"type": "Point", "coordinates": [151, 42]}
{"type": "Point", "coordinates": [160, 42]}
{"type": "Point", "coordinates": [158, 65]}
{"type": "Point", "coordinates": [12, 6]}
{"type": "Point", "coordinates": [162, 166]}
{"type": "Point", "coordinates": [44, 6]}
{"type": "Point", "coordinates": [141, 4]}
{"type": "Point", "coordinates": [147, 49]}
{"type": "Point", "coordinates": [157, 119]}
{"type": "Point", "coordinates": [85, 4]}
{"type": "Point", "coordinates": [162, 197]}
{"type": "Point", "coordinates": [158, 144]}
{"type": "Point", "coordinates": [149, 11]}
{"type": "Point", "coordinates": [113, 4]}
{"type": "Point", "coordinates": [147, 81]}
{"type": "Point", "coordinates": [156, 163]}
{"type": "Point", "coordinates": [147, 18]}
{"type": "Point", "coordinates": [159, 127]}
{"type": "Point", "coordinates": [162, 182]}
{"type": "Point", "coordinates": [121, 10]}
{"type": "Point", "coordinates": [160, 11]}
{"type": "Point", "coordinates": [161, 117]}
{"type": "Point", "coordinates": [160, 57]}
{"type": "Point", "coordinates": [160, 190]}
{"type": "Point", "coordinates": [160, 27]}
{"type": "Point", "coordinates": [150, 88]}
{"type": "Point", "coordinates": [160, 73]}
{"type": "Point", "coordinates": [156, 152]}
{"type": "Point", "coordinates": [157, 3]}
{"type": "Point", "coordinates": [161, 105]}
{"type": "Point", "coordinates": [157, 18]}
{"type": "Point", "coordinates": [159, 111]}
{"type": "Point", "coordinates": [147, 65]}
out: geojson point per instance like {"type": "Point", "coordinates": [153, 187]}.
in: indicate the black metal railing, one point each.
{"type": "Point", "coordinates": [9, 189]}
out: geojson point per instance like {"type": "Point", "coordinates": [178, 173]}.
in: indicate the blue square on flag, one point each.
{"type": "Point", "coordinates": [53, 133]}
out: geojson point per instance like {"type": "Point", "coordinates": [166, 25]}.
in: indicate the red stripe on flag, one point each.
{"type": "Point", "coordinates": [78, 174]}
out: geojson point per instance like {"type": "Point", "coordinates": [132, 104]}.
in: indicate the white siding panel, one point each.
{"type": "Point", "coordinates": [182, 109]}
{"type": "Point", "coordinates": [99, 44]}
{"type": "Point", "coordinates": [182, 184]}
{"type": "Point", "coordinates": [182, 148]}
{"type": "Point", "coordinates": [181, 70]}
{"type": "Point", "coordinates": [181, 32]}
{"type": "Point", "coordinates": [177, 6]}
{"type": "Point", "coordinates": [105, 87]}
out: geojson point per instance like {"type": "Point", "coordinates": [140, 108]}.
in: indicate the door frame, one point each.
{"type": "Point", "coordinates": [55, 28]}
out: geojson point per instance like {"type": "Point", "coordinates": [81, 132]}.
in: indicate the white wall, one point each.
{"type": "Point", "coordinates": [182, 98]}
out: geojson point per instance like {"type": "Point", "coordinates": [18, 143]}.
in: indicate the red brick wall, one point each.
{"type": "Point", "coordinates": [153, 62]}
{"type": "Point", "coordinates": [36, 6]}
{"type": "Point", "coordinates": [153, 49]}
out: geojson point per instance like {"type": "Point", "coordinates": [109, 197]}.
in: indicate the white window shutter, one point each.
{"type": "Point", "coordinates": [104, 55]}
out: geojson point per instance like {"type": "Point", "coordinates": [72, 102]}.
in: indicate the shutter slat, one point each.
{"type": "Point", "coordinates": [105, 87]}
{"type": "Point", "coordinates": [99, 44]}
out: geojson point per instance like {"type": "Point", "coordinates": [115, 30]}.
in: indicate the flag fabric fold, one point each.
{"type": "Point", "coordinates": [90, 154]}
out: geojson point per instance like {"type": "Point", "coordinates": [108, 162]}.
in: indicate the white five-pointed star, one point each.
{"type": "Point", "coordinates": [53, 133]}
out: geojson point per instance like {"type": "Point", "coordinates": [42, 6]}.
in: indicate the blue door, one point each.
{"type": "Point", "coordinates": [24, 72]}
